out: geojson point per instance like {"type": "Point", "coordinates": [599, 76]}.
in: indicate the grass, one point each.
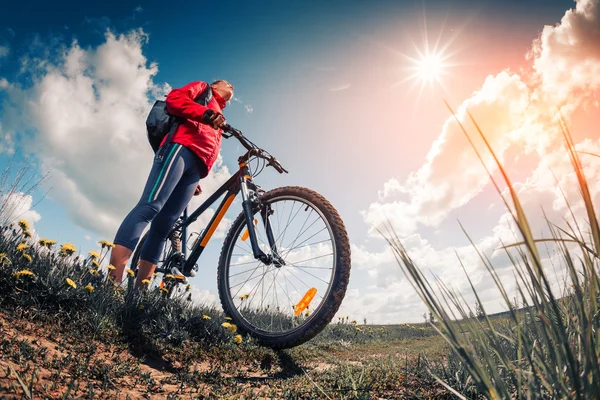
{"type": "Point", "coordinates": [548, 349]}
{"type": "Point", "coordinates": [60, 339]}
{"type": "Point", "coordinates": [67, 332]}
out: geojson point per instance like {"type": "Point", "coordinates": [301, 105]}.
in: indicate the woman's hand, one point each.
{"type": "Point", "coordinates": [216, 120]}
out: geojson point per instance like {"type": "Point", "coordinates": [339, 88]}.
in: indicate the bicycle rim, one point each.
{"type": "Point", "coordinates": [278, 301]}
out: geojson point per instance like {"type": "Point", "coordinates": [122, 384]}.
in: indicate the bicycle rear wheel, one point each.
{"type": "Point", "coordinates": [285, 306]}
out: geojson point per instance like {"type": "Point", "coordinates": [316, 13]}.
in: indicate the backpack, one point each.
{"type": "Point", "coordinates": [161, 123]}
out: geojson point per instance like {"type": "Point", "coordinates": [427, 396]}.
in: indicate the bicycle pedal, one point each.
{"type": "Point", "coordinates": [178, 275]}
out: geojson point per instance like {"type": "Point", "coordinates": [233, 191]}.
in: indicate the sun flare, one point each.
{"type": "Point", "coordinates": [430, 68]}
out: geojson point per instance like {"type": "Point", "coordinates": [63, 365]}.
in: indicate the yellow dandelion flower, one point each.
{"type": "Point", "coordinates": [238, 338]}
{"type": "Point", "coordinates": [93, 254]}
{"type": "Point", "coordinates": [154, 275]}
{"type": "Point", "coordinates": [96, 263]}
{"type": "Point", "coordinates": [42, 242]}
{"type": "Point", "coordinates": [23, 272]}
{"type": "Point", "coordinates": [22, 246]}
{"type": "Point", "coordinates": [68, 248]}
{"type": "Point", "coordinates": [24, 224]}
{"type": "Point", "coordinates": [94, 272]}
{"type": "Point", "coordinates": [204, 316]}
{"type": "Point", "coordinates": [146, 281]}
{"type": "Point", "coordinates": [27, 257]}
{"type": "Point", "coordinates": [130, 272]}
{"type": "Point", "coordinates": [141, 306]}
{"type": "Point", "coordinates": [27, 234]}
{"type": "Point", "coordinates": [71, 283]}
{"type": "Point", "coordinates": [50, 243]}
{"type": "Point", "coordinates": [165, 290]}
{"type": "Point", "coordinates": [169, 276]}
{"type": "Point", "coordinates": [227, 318]}
{"type": "Point", "coordinates": [111, 267]}
{"type": "Point", "coordinates": [231, 327]}
{"type": "Point", "coordinates": [104, 244]}
{"type": "Point", "coordinates": [89, 288]}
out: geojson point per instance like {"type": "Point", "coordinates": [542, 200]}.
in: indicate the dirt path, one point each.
{"type": "Point", "coordinates": [42, 361]}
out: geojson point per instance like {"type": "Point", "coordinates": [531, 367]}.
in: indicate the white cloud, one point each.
{"type": "Point", "coordinates": [87, 237]}
{"type": "Point", "coordinates": [15, 206]}
{"type": "Point", "coordinates": [88, 108]}
{"type": "Point", "coordinates": [4, 51]}
{"type": "Point", "coordinates": [517, 115]}
{"type": "Point", "coordinates": [6, 141]}
{"type": "Point", "coordinates": [567, 56]}
{"type": "Point", "coordinates": [540, 189]}
{"type": "Point", "coordinates": [340, 88]}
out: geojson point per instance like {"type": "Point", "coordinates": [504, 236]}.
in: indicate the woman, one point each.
{"type": "Point", "coordinates": [173, 179]}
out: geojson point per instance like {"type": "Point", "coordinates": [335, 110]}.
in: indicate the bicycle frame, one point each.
{"type": "Point", "coordinates": [241, 181]}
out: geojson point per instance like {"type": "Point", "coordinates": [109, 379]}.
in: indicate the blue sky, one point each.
{"type": "Point", "coordinates": [322, 85]}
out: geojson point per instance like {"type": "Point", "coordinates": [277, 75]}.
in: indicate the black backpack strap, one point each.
{"type": "Point", "coordinates": [204, 98]}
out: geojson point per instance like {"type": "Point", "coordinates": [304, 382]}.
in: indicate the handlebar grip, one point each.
{"type": "Point", "coordinates": [231, 129]}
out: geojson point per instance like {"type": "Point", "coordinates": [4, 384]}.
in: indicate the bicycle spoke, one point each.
{"type": "Point", "coordinates": [304, 283]}
{"type": "Point", "coordinates": [245, 272]}
{"type": "Point", "coordinates": [270, 305]}
{"type": "Point", "coordinates": [246, 281]}
{"type": "Point", "coordinates": [302, 227]}
{"type": "Point", "coordinates": [303, 266]}
{"type": "Point", "coordinates": [299, 246]}
{"type": "Point", "coordinates": [314, 276]}
{"type": "Point", "coordinates": [288, 223]}
{"type": "Point", "coordinates": [268, 289]}
{"type": "Point", "coordinates": [244, 263]}
{"type": "Point", "coordinates": [279, 221]}
{"type": "Point", "coordinates": [310, 237]}
{"type": "Point", "coordinates": [257, 284]}
{"type": "Point", "coordinates": [312, 258]}
{"type": "Point", "coordinates": [285, 292]}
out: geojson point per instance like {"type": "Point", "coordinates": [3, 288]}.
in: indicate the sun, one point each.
{"type": "Point", "coordinates": [430, 68]}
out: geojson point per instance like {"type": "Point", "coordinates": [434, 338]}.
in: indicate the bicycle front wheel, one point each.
{"type": "Point", "coordinates": [286, 305]}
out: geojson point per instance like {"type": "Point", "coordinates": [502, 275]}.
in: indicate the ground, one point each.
{"type": "Point", "coordinates": [43, 359]}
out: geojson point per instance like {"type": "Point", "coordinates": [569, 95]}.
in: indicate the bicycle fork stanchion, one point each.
{"type": "Point", "coordinates": [247, 207]}
{"type": "Point", "coordinates": [266, 214]}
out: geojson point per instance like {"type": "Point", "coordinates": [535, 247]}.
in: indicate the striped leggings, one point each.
{"type": "Point", "coordinates": [170, 187]}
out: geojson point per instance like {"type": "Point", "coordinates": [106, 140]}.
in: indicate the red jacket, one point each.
{"type": "Point", "coordinates": [202, 139]}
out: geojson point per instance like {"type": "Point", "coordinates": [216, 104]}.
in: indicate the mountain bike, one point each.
{"type": "Point", "coordinates": [284, 264]}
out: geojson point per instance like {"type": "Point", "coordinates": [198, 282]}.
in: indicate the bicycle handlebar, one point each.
{"type": "Point", "coordinates": [253, 149]}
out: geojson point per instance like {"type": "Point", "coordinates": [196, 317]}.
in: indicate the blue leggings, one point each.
{"type": "Point", "coordinates": [170, 187]}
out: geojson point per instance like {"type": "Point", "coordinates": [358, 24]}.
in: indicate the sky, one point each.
{"type": "Point", "coordinates": [336, 91]}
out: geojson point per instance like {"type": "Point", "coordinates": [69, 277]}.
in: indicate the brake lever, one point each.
{"type": "Point", "coordinates": [277, 165]}
{"type": "Point", "coordinates": [232, 130]}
